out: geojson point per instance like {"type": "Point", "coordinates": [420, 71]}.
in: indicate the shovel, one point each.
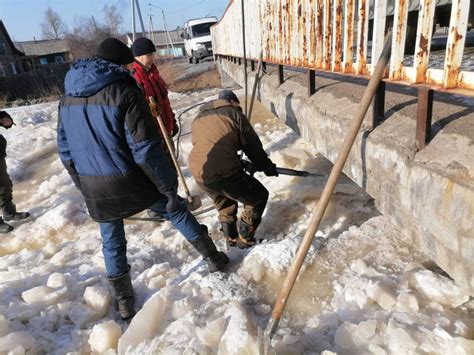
{"type": "Point", "coordinates": [265, 337]}
{"type": "Point", "coordinates": [193, 202]}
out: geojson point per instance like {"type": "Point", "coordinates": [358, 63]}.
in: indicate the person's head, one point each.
{"type": "Point", "coordinates": [144, 51]}
{"type": "Point", "coordinates": [115, 51]}
{"type": "Point", "coordinates": [6, 120]}
{"type": "Point", "coordinates": [229, 96]}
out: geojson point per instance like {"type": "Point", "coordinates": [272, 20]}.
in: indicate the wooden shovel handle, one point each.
{"type": "Point", "coordinates": [323, 202]}
{"type": "Point", "coordinates": [170, 146]}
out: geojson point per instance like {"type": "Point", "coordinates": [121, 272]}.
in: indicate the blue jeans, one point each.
{"type": "Point", "coordinates": [114, 244]}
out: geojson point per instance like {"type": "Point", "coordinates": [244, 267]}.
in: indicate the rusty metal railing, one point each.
{"type": "Point", "coordinates": [333, 35]}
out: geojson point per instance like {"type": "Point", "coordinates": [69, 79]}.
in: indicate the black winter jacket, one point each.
{"type": "Point", "coordinates": [109, 143]}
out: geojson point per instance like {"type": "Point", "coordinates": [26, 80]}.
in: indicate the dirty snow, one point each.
{"type": "Point", "coordinates": [363, 289]}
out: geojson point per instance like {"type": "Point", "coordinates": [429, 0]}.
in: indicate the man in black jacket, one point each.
{"type": "Point", "coordinates": [6, 186]}
{"type": "Point", "coordinates": [110, 145]}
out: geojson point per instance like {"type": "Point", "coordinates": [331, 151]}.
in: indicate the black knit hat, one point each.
{"type": "Point", "coordinates": [228, 95]}
{"type": "Point", "coordinates": [142, 46]}
{"type": "Point", "coordinates": [115, 51]}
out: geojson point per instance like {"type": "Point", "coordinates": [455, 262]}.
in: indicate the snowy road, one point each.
{"type": "Point", "coordinates": [363, 290]}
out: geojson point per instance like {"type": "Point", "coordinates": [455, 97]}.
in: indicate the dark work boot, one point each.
{"type": "Point", "coordinates": [230, 233]}
{"type": "Point", "coordinates": [124, 296]}
{"type": "Point", "coordinates": [246, 235]}
{"type": "Point", "coordinates": [10, 213]}
{"type": "Point", "coordinates": [216, 260]}
{"type": "Point", "coordinates": [5, 227]}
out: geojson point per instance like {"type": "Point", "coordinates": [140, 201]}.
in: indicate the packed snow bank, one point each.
{"type": "Point", "coordinates": [363, 288]}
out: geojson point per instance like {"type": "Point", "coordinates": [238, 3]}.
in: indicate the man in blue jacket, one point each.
{"type": "Point", "coordinates": [110, 145]}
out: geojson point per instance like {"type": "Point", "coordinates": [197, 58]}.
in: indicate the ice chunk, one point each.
{"type": "Point", "coordinates": [61, 257]}
{"type": "Point", "coordinates": [463, 346]}
{"type": "Point", "coordinates": [181, 307]}
{"type": "Point", "coordinates": [97, 298]}
{"type": "Point", "coordinates": [407, 302]}
{"type": "Point", "coordinates": [50, 248]}
{"type": "Point", "coordinates": [400, 338]}
{"type": "Point", "coordinates": [366, 329]}
{"type": "Point", "coordinates": [80, 314]}
{"type": "Point", "coordinates": [376, 350]}
{"type": "Point", "coordinates": [15, 339]}
{"type": "Point", "coordinates": [157, 282]}
{"type": "Point", "coordinates": [57, 280]}
{"type": "Point", "coordinates": [43, 295]}
{"type": "Point", "coordinates": [381, 294]}
{"type": "Point", "coordinates": [4, 325]}
{"type": "Point", "coordinates": [241, 328]}
{"type": "Point", "coordinates": [145, 325]}
{"type": "Point", "coordinates": [344, 335]}
{"type": "Point", "coordinates": [212, 332]}
{"type": "Point", "coordinates": [438, 288]}
{"type": "Point", "coordinates": [105, 336]}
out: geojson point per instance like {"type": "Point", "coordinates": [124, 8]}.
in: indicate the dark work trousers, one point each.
{"type": "Point", "coordinates": [238, 188]}
{"type": "Point", "coordinates": [6, 186]}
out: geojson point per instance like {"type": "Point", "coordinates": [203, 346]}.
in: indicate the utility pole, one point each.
{"type": "Point", "coordinates": [140, 18]}
{"type": "Point", "coordinates": [133, 20]}
{"type": "Point", "coordinates": [166, 28]}
{"type": "Point", "coordinates": [151, 33]}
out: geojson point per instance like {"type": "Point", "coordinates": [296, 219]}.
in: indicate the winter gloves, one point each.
{"type": "Point", "coordinates": [271, 170]}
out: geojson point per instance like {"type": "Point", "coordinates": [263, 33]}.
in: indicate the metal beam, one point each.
{"type": "Point", "coordinates": [424, 116]}
{"type": "Point", "coordinates": [311, 82]}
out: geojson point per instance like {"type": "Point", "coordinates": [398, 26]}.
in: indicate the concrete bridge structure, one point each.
{"type": "Point", "coordinates": [417, 161]}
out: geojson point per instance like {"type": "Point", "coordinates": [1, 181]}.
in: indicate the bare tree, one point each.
{"type": "Point", "coordinates": [53, 26]}
{"type": "Point", "coordinates": [112, 19]}
{"type": "Point", "coordinates": [86, 35]}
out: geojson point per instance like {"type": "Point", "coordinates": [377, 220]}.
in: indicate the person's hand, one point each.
{"type": "Point", "coordinates": [271, 170]}
{"type": "Point", "coordinates": [155, 109]}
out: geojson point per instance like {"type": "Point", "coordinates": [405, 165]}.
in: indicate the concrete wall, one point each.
{"type": "Point", "coordinates": [428, 194]}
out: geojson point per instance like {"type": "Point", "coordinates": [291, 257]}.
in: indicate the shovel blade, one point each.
{"type": "Point", "coordinates": [193, 203]}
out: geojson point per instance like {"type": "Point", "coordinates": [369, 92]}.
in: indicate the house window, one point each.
{"type": "Point", "coordinates": [3, 48]}
{"type": "Point", "coordinates": [58, 59]}
{"type": "Point", "coordinates": [43, 61]}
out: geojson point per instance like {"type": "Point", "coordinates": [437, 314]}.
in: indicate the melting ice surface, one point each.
{"type": "Point", "coordinates": [364, 289]}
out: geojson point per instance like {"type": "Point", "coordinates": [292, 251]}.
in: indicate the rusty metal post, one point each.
{"type": "Point", "coordinates": [280, 74]}
{"type": "Point", "coordinates": [423, 116]}
{"type": "Point", "coordinates": [240, 61]}
{"type": "Point", "coordinates": [252, 65]}
{"type": "Point", "coordinates": [311, 82]}
{"type": "Point", "coordinates": [379, 105]}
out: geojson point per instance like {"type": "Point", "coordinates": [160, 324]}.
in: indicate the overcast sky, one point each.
{"type": "Point", "coordinates": [23, 18]}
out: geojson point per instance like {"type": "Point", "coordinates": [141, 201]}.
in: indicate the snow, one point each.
{"type": "Point", "coordinates": [363, 287]}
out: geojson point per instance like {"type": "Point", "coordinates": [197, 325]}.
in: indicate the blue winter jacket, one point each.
{"type": "Point", "coordinates": [109, 141]}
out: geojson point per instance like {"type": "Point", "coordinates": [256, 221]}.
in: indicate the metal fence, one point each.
{"type": "Point", "coordinates": [333, 35]}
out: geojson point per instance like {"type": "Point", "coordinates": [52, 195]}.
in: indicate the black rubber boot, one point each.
{"type": "Point", "coordinates": [124, 296]}
{"type": "Point", "coordinates": [246, 235]}
{"type": "Point", "coordinates": [10, 213]}
{"type": "Point", "coordinates": [216, 260]}
{"type": "Point", "coordinates": [5, 227]}
{"type": "Point", "coordinates": [230, 233]}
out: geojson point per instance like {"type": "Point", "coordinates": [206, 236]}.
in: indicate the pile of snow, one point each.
{"type": "Point", "coordinates": [362, 289]}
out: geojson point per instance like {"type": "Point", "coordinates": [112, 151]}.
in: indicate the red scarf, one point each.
{"type": "Point", "coordinates": [154, 86]}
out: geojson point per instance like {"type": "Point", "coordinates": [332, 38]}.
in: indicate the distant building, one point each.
{"type": "Point", "coordinates": [162, 41]}
{"type": "Point", "coordinates": [12, 60]}
{"type": "Point", "coordinates": [48, 51]}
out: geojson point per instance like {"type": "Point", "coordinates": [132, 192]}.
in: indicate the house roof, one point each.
{"type": "Point", "coordinates": [43, 47]}
{"type": "Point", "coordinates": [9, 40]}
{"type": "Point", "coordinates": [160, 38]}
